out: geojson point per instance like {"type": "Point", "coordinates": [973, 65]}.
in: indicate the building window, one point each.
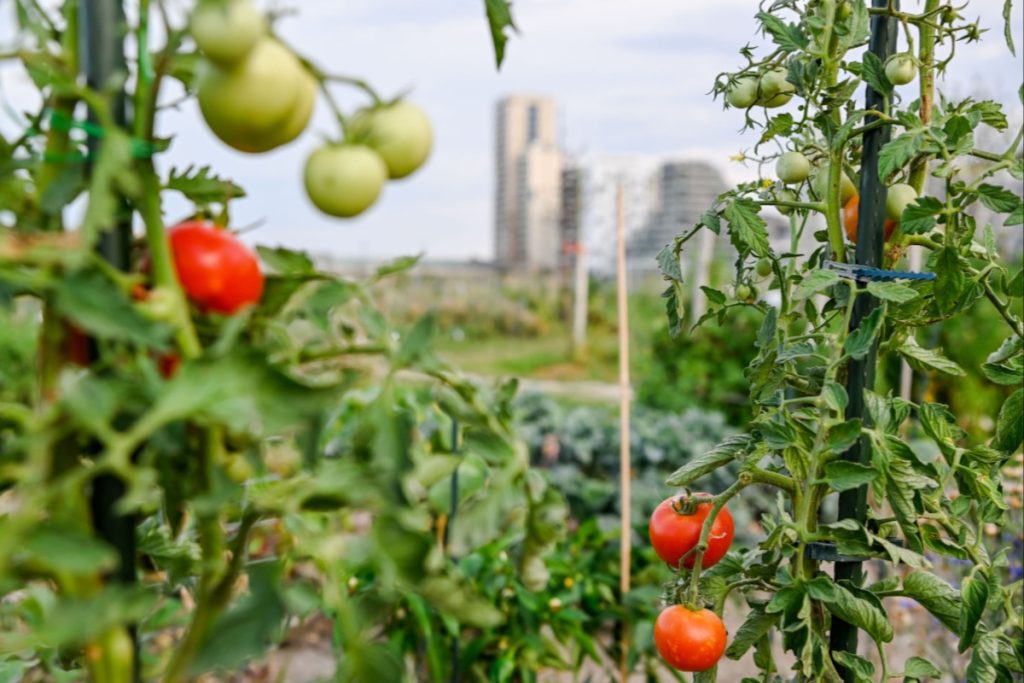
{"type": "Point", "coordinates": [531, 123]}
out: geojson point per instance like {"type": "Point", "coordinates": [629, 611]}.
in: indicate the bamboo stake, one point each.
{"type": "Point", "coordinates": [625, 394]}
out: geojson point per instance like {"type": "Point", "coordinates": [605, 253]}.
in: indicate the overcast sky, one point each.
{"type": "Point", "coordinates": [629, 77]}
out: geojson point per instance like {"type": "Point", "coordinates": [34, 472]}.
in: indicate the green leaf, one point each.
{"type": "Point", "coordinates": [668, 263]}
{"type": "Point", "coordinates": [434, 646]}
{"type": "Point", "coordinates": [778, 125]}
{"type": "Point", "coordinates": [1008, 25]}
{"type": "Point", "coordinates": [719, 456]}
{"type": "Point", "coordinates": [787, 36]}
{"type": "Point", "coordinates": [892, 291]}
{"type": "Point", "coordinates": [843, 436]}
{"type": "Point", "coordinates": [747, 229]}
{"type": "Point", "coordinates": [757, 624]}
{"type": "Point", "coordinates": [499, 18]}
{"type": "Point", "coordinates": [202, 187]}
{"type": "Point", "coordinates": [999, 199]}
{"type": "Point", "coordinates": [286, 261]}
{"type": "Point", "coordinates": [1015, 287]}
{"type": "Point", "coordinates": [851, 609]}
{"type": "Point", "coordinates": [935, 595]}
{"type": "Point", "coordinates": [898, 152]}
{"type": "Point", "coordinates": [1010, 424]}
{"type": "Point", "coordinates": [929, 359]}
{"type": "Point", "coordinates": [398, 265]}
{"type": "Point", "coordinates": [843, 476]}
{"type": "Point", "coordinates": [96, 305]}
{"type": "Point", "coordinates": [248, 628]}
{"type": "Point", "coordinates": [949, 283]}
{"type": "Point", "coordinates": [874, 75]}
{"type": "Point", "coordinates": [835, 397]}
{"type": "Point", "coordinates": [919, 217]}
{"type": "Point", "coordinates": [1012, 375]}
{"type": "Point", "coordinates": [1016, 217]}
{"type": "Point", "coordinates": [973, 598]}
{"type": "Point", "coordinates": [417, 345]}
{"type": "Point", "coordinates": [241, 391]}
{"type": "Point", "coordinates": [917, 667]}
{"type": "Point", "coordinates": [863, 671]}
{"type": "Point", "coordinates": [860, 341]}
{"type": "Point", "coordinates": [766, 334]}
{"type": "Point", "coordinates": [984, 665]}
{"type": "Point", "coordinates": [65, 550]}
{"type": "Point", "coordinates": [12, 671]}
{"type": "Point", "coordinates": [816, 281]}
{"type": "Point", "coordinates": [112, 178]}
{"type": "Point", "coordinates": [714, 295]}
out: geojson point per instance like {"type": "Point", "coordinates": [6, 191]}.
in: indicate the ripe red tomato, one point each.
{"type": "Point", "coordinates": [689, 640]}
{"type": "Point", "coordinates": [217, 272]}
{"type": "Point", "coordinates": [851, 214]}
{"type": "Point", "coordinates": [674, 535]}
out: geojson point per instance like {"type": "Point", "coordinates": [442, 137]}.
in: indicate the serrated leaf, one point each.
{"type": "Point", "coordinates": [778, 125]}
{"type": "Point", "coordinates": [1010, 424]}
{"type": "Point", "coordinates": [841, 437]}
{"type": "Point", "coordinates": [757, 624]}
{"type": "Point", "coordinates": [202, 187]}
{"type": "Point", "coordinates": [747, 229]}
{"type": "Point", "coordinates": [998, 199]}
{"type": "Point", "coordinates": [1015, 217]}
{"type": "Point", "coordinates": [984, 665]}
{"type": "Point", "coordinates": [898, 152]}
{"type": "Point", "coordinates": [949, 282]}
{"type": "Point", "coordinates": [851, 609]}
{"type": "Point", "coordinates": [935, 595]}
{"type": "Point", "coordinates": [836, 397]}
{"type": "Point", "coordinates": [499, 19]}
{"type": "Point", "coordinates": [1008, 25]}
{"type": "Point", "coordinates": [719, 456]}
{"type": "Point", "coordinates": [842, 475]}
{"type": "Point", "coordinates": [973, 598]}
{"type": "Point", "coordinates": [96, 305]}
{"type": "Point", "coordinates": [892, 291]}
{"type": "Point", "coordinates": [787, 36]}
{"type": "Point", "coordinates": [668, 263]}
{"type": "Point", "coordinates": [929, 359]}
{"type": "Point", "coordinates": [863, 671]}
{"type": "Point", "coordinates": [860, 341]}
{"type": "Point", "coordinates": [919, 217]}
{"type": "Point", "coordinates": [874, 75]}
{"type": "Point", "coordinates": [1015, 287]}
{"type": "Point", "coordinates": [814, 282]}
{"type": "Point", "coordinates": [396, 266]}
{"type": "Point", "coordinates": [714, 295]}
{"type": "Point", "coordinates": [1003, 374]}
{"type": "Point", "coordinates": [286, 261]}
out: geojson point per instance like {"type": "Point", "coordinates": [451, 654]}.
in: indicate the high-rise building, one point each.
{"type": "Point", "coordinates": [528, 192]}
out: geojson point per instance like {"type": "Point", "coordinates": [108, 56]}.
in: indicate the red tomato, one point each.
{"type": "Point", "coordinates": [217, 272]}
{"type": "Point", "coordinates": [851, 214]}
{"type": "Point", "coordinates": [674, 535]}
{"type": "Point", "coordinates": [689, 640]}
{"type": "Point", "coordinates": [77, 345]}
{"type": "Point", "coordinates": [168, 364]}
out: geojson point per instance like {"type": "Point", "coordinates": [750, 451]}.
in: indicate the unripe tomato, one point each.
{"type": "Point", "coordinates": [301, 113]}
{"type": "Point", "coordinates": [689, 640]}
{"type": "Point", "coordinates": [851, 214]}
{"type": "Point", "coordinates": [785, 196]}
{"type": "Point", "coordinates": [227, 30]}
{"type": "Point", "coordinates": [674, 535]}
{"type": "Point", "coordinates": [400, 133]}
{"type": "Point", "coordinates": [899, 197]}
{"type": "Point", "coordinates": [763, 267]}
{"type": "Point", "coordinates": [216, 270]}
{"type": "Point", "coordinates": [344, 180]}
{"type": "Point", "coordinates": [248, 105]}
{"type": "Point", "coordinates": [742, 93]}
{"type": "Point", "coordinates": [742, 292]}
{"type": "Point", "coordinates": [900, 69]}
{"type": "Point", "coordinates": [775, 90]}
{"type": "Point", "coordinates": [792, 167]}
{"type": "Point", "coordinates": [843, 10]}
{"type": "Point", "coordinates": [846, 187]}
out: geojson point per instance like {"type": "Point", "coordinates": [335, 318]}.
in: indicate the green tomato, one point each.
{"type": "Point", "coordinates": [743, 292]}
{"type": "Point", "coordinates": [843, 10]}
{"type": "Point", "coordinates": [248, 105]}
{"type": "Point", "coordinates": [775, 90]}
{"type": "Point", "coordinates": [763, 268]}
{"type": "Point", "coordinates": [344, 180]}
{"type": "Point", "coordinates": [900, 69]}
{"type": "Point", "coordinates": [846, 187]}
{"type": "Point", "coordinates": [301, 112]}
{"type": "Point", "coordinates": [785, 196]}
{"type": "Point", "coordinates": [227, 30]}
{"type": "Point", "coordinates": [792, 167]}
{"type": "Point", "coordinates": [400, 133]}
{"type": "Point", "coordinates": [742, 93]}
{"type": "Point", "coordinates": [899, 197]}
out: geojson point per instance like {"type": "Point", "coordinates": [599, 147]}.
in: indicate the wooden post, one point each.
{"type": "Point", "coordinates": [580, 297]}
{"type": "Point", "coordinates": [625, 396]}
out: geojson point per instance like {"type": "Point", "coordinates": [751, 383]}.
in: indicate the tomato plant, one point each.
{"type": "Point", "coordinates": [178, 489]}
{"type": "Point", "coordinates": [820, 428]}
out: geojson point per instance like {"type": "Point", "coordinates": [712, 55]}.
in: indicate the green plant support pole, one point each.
{"type": "Point", "coordinates": [101, 43]}
{"type": "Point", "coordinates": [869, 251]}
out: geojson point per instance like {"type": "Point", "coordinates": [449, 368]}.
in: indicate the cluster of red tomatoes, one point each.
{"type": "Point", "coordinates": [255, 95]}
{"type": "Point", "coordinates": [689, 638]}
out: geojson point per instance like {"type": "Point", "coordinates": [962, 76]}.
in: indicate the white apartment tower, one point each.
{"type": "Point", "coordinates": [528, 166]}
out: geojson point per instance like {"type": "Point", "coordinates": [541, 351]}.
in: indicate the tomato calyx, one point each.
{"type": "Point", "coordinates": [687, 503]}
